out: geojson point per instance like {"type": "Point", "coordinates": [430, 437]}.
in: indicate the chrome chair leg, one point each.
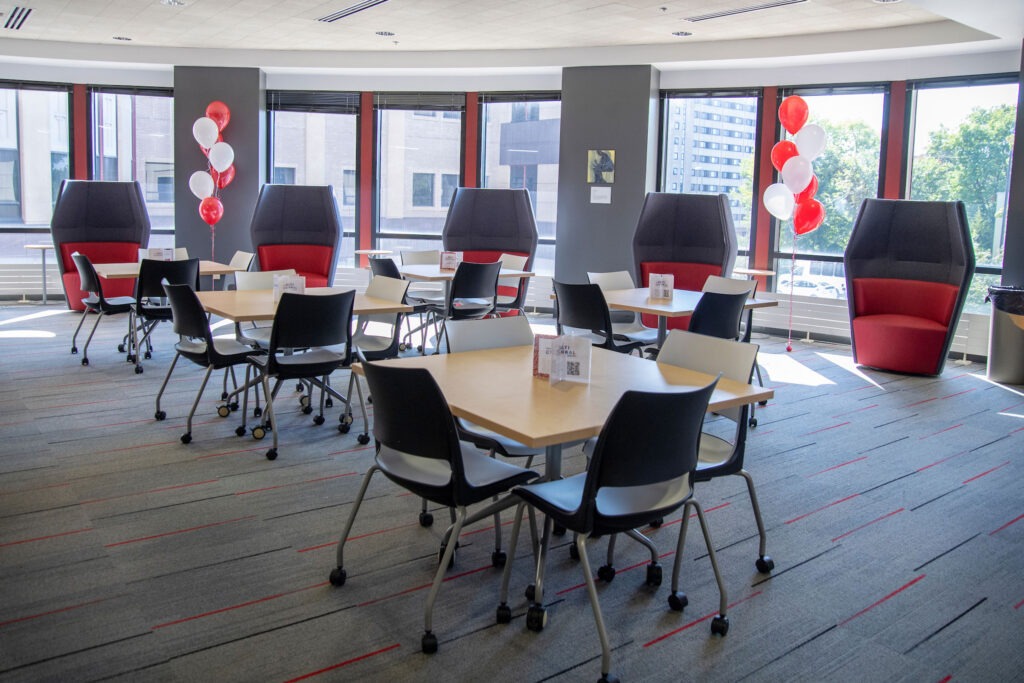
{"type": "Point", "coordinates": [602, 632]}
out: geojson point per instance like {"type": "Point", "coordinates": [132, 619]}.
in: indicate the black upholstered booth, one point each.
{"type": "Point", "coordinates": [298, 227]}
{"type": "Point", "coordinates": [484, 224]}
{"type": "Point", "coordinates": [106, 221]}
{"type": "Point", "coordinates": [689, 236]}
{"type": "Point", "coordinates": [908, 268]}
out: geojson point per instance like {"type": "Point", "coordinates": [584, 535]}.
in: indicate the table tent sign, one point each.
{"type": "Point", "coordinates": [564, 358]}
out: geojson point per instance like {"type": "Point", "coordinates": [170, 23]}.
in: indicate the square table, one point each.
{"type": "Point", "coordinates": [249, 305]}
{"type": "Point", "coordinates": [115, 271]}
{"type": "Point", "coordinates": [431, 272]}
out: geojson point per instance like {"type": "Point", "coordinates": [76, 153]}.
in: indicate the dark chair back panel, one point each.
{"type": "Point", "coordinates": [386, 267]}
{"type": "Point", "coordinates": [189, 318]}
{"type": "Point", "coordinates": [582, 307]}
{"type": "Point", "coordinates": [718, 314]}
{"type": "Point", "coordinates": [90, 281]}
{"type": "Point", "coordinates": [298, 215]}
{"type": "Point", "coordinates": [475, 280]}
{"type": "Point", "coordinates": [153, 273]}
{"type": "Point", "coordinates": [99, 211]}
{"type": "Point", "coordinates": [491, 219]}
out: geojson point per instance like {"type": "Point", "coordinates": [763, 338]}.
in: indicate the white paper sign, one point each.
{"type": "Point", "coordinates": [570, 359]}
{"type": "Point", "coordinates": [661, 286]}
{"type": "Point", "coordinates": [157, 254]}
{"type": "Point", "coordinates": [450, 260]}
{"type": "Point", "coordinates": [295, 284]}
{"type": "Point", "coordinates": [543, 345]}
{"type": "Point", "coordinates": [600, 194]}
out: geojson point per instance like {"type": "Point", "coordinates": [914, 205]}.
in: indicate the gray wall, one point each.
{"type": "Point", "coordinates": [1013, 254]}
{"type": "Point", "coordinates": [243, 90]}
{"type": "Point", "coordinates": [604, 108]}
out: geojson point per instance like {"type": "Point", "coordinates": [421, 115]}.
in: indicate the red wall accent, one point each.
{"type": "Point", "coordinates": [80, 131]}
{"type": "Point", "coordinates": [365, 208]}
{"type": "Point", "coordinates": [765, 177]}
{"type": "Point", "coordinates": [892, 166]}
{"type": "Point", "coordinates": [470, 153]}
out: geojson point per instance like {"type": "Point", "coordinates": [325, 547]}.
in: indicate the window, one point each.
{"type": "Point", "coordinates": [683, 111]}
{"type": "Point", "coordinates": [133, 139]}
{"type": "Point", "coordinates": [284, 175]}
{"type": "Point", "coordinates": [348, 187]}
{"type": "Point", "coordinates": [449, 181]}
{"type": "Point", "coordinates": [422, 189]}
{"type": "Point", "coordinates": [519, 148]}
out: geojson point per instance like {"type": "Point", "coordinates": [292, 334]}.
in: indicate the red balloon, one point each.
{"type": "Point", "coordinates": [807, 216]}
{"type": "Point", "coordinates": [219, 113]}
{"type": "Point", "coordinates": [782, 152]}
{"type": "Point", "coordinates": [224, 178]}
{"type": "Point", "coordinates": [793, 113]}
{"type": "Point", "coordinates": [807, 192]}
{"type": "Point", "coordinates": [211, 210]}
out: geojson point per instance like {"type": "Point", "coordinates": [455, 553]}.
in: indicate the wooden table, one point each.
{"type": "Point", "coordinates": [753, 272]}
{"type": "Point", "coordinates": [116, 271]}
{"type": "Point", "coordinates": [431, 272]}
{"type": "Point", "coordinates": [258, 304]}
{"type": "Point", "coordinates": [42, 253]}
{"type": "Point", "coordinates": [683, 302]}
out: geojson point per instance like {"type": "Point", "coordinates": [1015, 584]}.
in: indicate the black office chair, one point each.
{"type": "Point", "coordinates": [198, 345]}
{"type": "Point", "coordinates": [473, 294]}
{"type": "Point", "coordinates": [388, 268]}
{"type": "Point", "coordinates": [641, 467]}
{"type": "Point", "coordinates": [418, 448]}
{"type": "Point", "coordinates": [584, 307]}
{"type": "Point", "coordinates": [718, 314]}
{"type": "Point", "coordinates": [150, 309]}
{"type": "Point", "coordinates": [96, 303]}
{"type": "Point", "coordinates": [304, 325]}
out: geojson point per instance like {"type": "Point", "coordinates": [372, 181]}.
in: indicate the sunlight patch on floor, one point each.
{"type": "Point", "coordinates": [36, 316]}
{"type": "Point", "coordinates": [782, 367]}
{"type": "Point", "coordinates": [26, 334]}
{"type": "Point", "coordinates": [847, 363]}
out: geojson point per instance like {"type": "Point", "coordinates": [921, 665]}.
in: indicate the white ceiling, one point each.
{"type": "Point", "coordinates": [481, 35]}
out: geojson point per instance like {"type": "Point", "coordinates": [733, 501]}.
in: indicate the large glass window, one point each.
{"type": "Point", "coordinates": [519, 148]}
{"type": "Point", "coordinates": [419, 147]}
{"type": "Point", "coordinates": [314, 143]}
{"type": "Point", "coordinates": [962, 140]}
{"type": "Point", "coordinates": [719, 159]}
{"type": "Point", "coordinates": [133, 139]}
{"type": "Point", "coordinates": [847, 172]}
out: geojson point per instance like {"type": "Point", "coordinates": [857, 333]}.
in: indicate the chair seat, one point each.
{"type": "Point", "coordinates": [117, 304]}
{"type": "Point", "coordinates": [312, 363]}
{"type": "Point", "coordinates": [635, 332]}
{"type": "Point", "coordinates": [231, 351]}
{"type": "Point", "coordinates": [487, 439]}
{"type": "Point", "coordinates": [371, 343]}
{"type": "Point", "coordinates": [154, 312]}
{"type": "Point", "coordinates": [260, 336]}
{"type": "Point", "coordinates": [899, 342]}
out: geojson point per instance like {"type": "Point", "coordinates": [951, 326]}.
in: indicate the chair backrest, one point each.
{"type": "Point", "coordinates": [90, 281]}
{"type": "Point", "coordinates": [734, 359]}
{"type": "Point", "coordinates": [729, 285]}
{"type": "Point", "coordinates": [188, 317]}
{"type": "Point", "coordinates": [474, 281]}
{"type": "Point", "coordinates": [298, 226]}
{"type": "Point", "coordinates": [260, 279]}
{"type": "Point", "coordinates": [385, 267]}
{"type": "Point", "coordinates": [582, 307]}
{"type": "Point", "coordinates": [490, 333]}
{"type": "Point", "coordinates": [152, 273]}
{"type": "Point", "coordinates": [512, 290]}
{"type": "Point", "coordinates": [242, 259]}
{"type": "Point", "coordinates": [718, 315]}
{"type": "Point", "coordinates": [648, 445]}
{"type": "Point", "coordinates": [312, 320]}
{"type": "Point", "coordinates": [420, 257]}
{"type": "Point", "coordinates": [490, 219]}
{"type": "Point", "coordinates": [180, 253]}
{"type": "Point", "coordinates": [388, 288]}
{"type": "Point", "coordinates": [616, 279]}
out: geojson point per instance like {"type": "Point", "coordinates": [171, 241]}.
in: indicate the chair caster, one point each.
{"type": "Point", "coordinates": [765, 564]}
{"type": "Point", "coordinates": [258, 433]}
{"type": "Point", "coordinates": [574, 552]}
{"type": "Point", "coordinates": [346, 419]}
{"type": "Point", "coordinates": [240, 431]}
{"type": "Point", "coordinates": [531, 592]}
{"type": "Point", "coordinates": [656, 522]}
{"type": "Point", "coordinates": [558, 530]}
{"type": "Point", "coordinates": [720, 625]}
{"type": "Point", "coordinates": [426, 519]}
{"type": "Point", "coordinates": [536, 618]}
{"type": "Point", "coordinates": [498, 559]}
{"type": "Point", "coordinates": [440, 555]}
{"type": "Point", "coordinates": [318, 420]}
{"type": "Point", "coordinates": [344, 428]}
{"type": "Point", "coordinates": [272, 454]}
{"type": "Point", "coordinates": [130, 358]}
{"type": "Point", "coordinates": [504, 615]}
{"type": "Point", "coordinates": [85, 361]}
{"type": "Point", "coordinates": [147, 355]}
{"type": "Point", "coordinates": [678, 601]}
{"type": "Point", "coordinates": [186, 438]}
{"type": "Point", "coordinates": [299, 387]}
{"type": "Point", "coordinates": [223, 411]}
{"type": "Point", "coordinates": [138, 369]}
{"type": "Point", "coordinates": [74, 350]}
{"type": "Point", "coordinates": [234, 406]}
{"type": "Point", "coordinates": [419, 347]}
{"type": "Point", "coordinates": [338, 576]}
{"type": "Point", "coordinates": [329, 403]}
{"type": "Point", "coordinates": [762, 403]}
{"type": "Point", "coordinates": [606, 573]}
{"type": "Point", "coordinates": [429, 643]}
{"type": "Point", "coordinates": [363, 439]}
{"type": "Point", "coordinates": [159, 415]}
{"type": "Point", "coordinates": [608, 678]}
{"type": "Point", "coordinates": [402, 347]}
{"type": "Point", "coordinates": [653, 575]}
{"type": "Point", "coordinates": [223, 395]}
{"type": "Point", "coordinates": [256, 412]}
{"type": "Point", "coordinates": [752, 422]}
{"type": "Point", "coordinates": [120, 349]}
{"type": "Point", "coordinates": [306, 410]}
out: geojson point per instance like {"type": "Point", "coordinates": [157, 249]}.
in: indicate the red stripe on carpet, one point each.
{"type": "Point", "coordinates": [218, 455]}
{"type": "Point", "coordinates": [296, 483]}
{"type": "Point", "coordinates": [179, 531]}
{"type": "Point", "coordinates": [825, 507]}
{"type": "Point", "coordinates": [693, 515]}
{"type": "Point", "coordinates": [825, 429]}
{"type": "Point", "coordinates": [135, 448]}
{"type": "Point", "coordinates": [855, 530]}
{"type": "Point", "coordinates": [1019, 605]}
{"type": "Point", "coordinates": [1012, 521]}
{"type": "Point", "coordinates": [44, 538]}
{"type": "Point", "coordinates": [941, 431]}
{"type": "Point", "coordinates": [345, 663]}
{"type": "Point", "coordinates": [230, 608]}
{"type": "Point", "coordinates": [879, 602]}
{"type": "Point", "coordinates": [959, 393]}
{"type": "Point", "coordinates": [356, 538]}
{"type": "Point", "coordinates": [353, 450]}
{"type": "Point", "coordinates": [836, 467]}
{"type": "Point", "coordinates": [143, 493]}
{"type": "Point", "coordinates": [939, 462]}
{"type": "Point", "coordinates": [53, 611]}
{"type": "Point", "coordinates": [979, 476]}
{"type": "Point", "coordinates": [425, 585]}
{"type": "Point", "coordinates": [697, 621]}
{"type": "Point", "coordinates": [851, 412]}
{"type": "Point", "coordinates": [927, 400]}
{"type": "Point", "coordinates": [486, 528]}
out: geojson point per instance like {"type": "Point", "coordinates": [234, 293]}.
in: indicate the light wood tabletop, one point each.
{"type": "Point", "coordinates": [116, 271]}
{"type": "Point", "coordinates": [258, 304]}
{"type": "Point", "coordinates": [431, 272]}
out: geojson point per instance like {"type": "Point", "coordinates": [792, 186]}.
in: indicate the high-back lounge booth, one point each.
{"type": "Point", "coordinates": [486, 223]}
{"type": "Point", "coordinates": [298, 227]}
{"type": "Point", "coordinates": [689, 236]}
{"type": "Point", "coordinates": [908, 268]}
{"type": "Point", "coordinates": [106, 221]}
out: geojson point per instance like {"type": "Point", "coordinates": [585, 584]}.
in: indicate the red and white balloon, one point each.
{"type": "Point", "coordinates": [220, 158]}
{"type": "Point", "coordinates": [793, 196]}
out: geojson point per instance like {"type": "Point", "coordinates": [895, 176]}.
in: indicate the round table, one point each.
{"type": "Point", "coordinates": [42, 254]}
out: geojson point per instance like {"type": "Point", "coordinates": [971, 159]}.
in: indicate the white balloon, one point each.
{"type": "Point", "coordinates": [221, 156]}
{"type": "Point", "coordinates": [201, 184]}
{"type": "Point", "coordinates": [796, 173]}
{"type": "Point", "coordinates": [204, 130]}
{"type": "Point", "coordinates": [779, 201]}
{"type": "Point", "coordinates": [810, 141]}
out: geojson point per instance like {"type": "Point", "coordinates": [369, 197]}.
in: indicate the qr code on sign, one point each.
{"type": "Point", "coordinates": [572, 368]}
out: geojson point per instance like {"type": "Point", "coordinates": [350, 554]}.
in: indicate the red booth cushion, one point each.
{"type": "Point", "coordinates": [490, 256]}
{"type": "Point", "coordinates": [902, 325]}
{"type": "Point", "coordinates": [98, 252]}
{"type": "Point", "coordinates": [312, 261]}
{"type": "Point", "coordinates": [686, 276]}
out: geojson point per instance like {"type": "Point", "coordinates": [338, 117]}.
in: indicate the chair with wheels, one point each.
{"type": "Point", "coordinates": [298, 227]}
{"type": "Point", "coordinates": [371, 345]}
{"type": "Point", "coordinates": [96, 303]}
{"type": "Point", "coordinates": [198, 345]}
{"type": "Point", "coordinates": [624, 323]}
{"type": "Point", "coordinates": [418, 448]}
{"type": "Point", "coordinates": [241, 259]}
{"type": "Point", "coordinates": [304, 326]}
{"type": "Point", "coordinates": [718, 314]}
{"type": "Point", "coordinates": [724, 442]}
{"type": "Point", "coordinates": [641, 468]}
{"type": "Point", "coordinates": [583, 307]}
{"type": "Point", "coordinates": [473, 293]}
{"type": "Point", "coordinates": [256, 334]}
{"type": "Point", "coordinates": [150, 307]}
{"type": "Point", "coordinates": [422, 295]}
{"type": "Point", "coordinates": [727, 285]}
{"type": "Point", "coordinates": [388, 268]}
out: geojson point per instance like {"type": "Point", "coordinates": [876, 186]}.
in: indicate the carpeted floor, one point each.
{"type": "Point", "coordinates": [893, 504]}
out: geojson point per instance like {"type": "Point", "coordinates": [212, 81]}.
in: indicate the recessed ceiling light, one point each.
{"type": "Point", "coordinates": [125, 38]}
{"type": "Point", "coordinates": [385, 34]}
{"type": "Point", "coordinates": [681, 34]}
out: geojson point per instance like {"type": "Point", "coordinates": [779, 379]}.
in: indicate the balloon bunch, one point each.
{"type": "Point", "coordinates": [794, 196]}
{"type": "Point", "coordinates": [220, 157]}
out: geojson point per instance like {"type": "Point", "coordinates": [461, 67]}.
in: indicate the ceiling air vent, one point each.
{"type": "Point", "coordinates": [16, 19]}
{"type": "Point", "coordinates": [743, 10]}
{"type": "Point", "coordinates": [349, 11]}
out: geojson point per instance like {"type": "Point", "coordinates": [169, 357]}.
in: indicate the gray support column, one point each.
{"type": "Point", "coordinates": [604, 108]}
{"type": "Point", "coordinates": [1013, 253]}
{"type": "Point", "coordinates": [243, 90]}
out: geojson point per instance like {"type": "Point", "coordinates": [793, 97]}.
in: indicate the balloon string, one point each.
{"type": "Point", "coordinates": [792, 279]}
